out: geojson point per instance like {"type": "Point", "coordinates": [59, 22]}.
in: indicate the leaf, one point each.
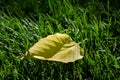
{"type": "Point", "coordinates": [57, 47]}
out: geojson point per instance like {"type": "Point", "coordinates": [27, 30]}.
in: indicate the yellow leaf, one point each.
{"type": "Point", "coordinates": [57, 47]}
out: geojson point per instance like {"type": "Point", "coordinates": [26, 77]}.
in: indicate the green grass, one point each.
{"type": "Point", "coordinates": [94, 25]}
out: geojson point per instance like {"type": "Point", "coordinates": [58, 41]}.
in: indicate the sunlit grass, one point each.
{"type": "Point", "coordinates": [94, 32]}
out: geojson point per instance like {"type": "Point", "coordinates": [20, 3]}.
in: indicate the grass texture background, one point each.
{"type": "Point", "coordinates": [94, 24]}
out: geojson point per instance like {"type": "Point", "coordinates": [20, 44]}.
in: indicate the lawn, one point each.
{"type": "Point", "coordinates": [94, 25]}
